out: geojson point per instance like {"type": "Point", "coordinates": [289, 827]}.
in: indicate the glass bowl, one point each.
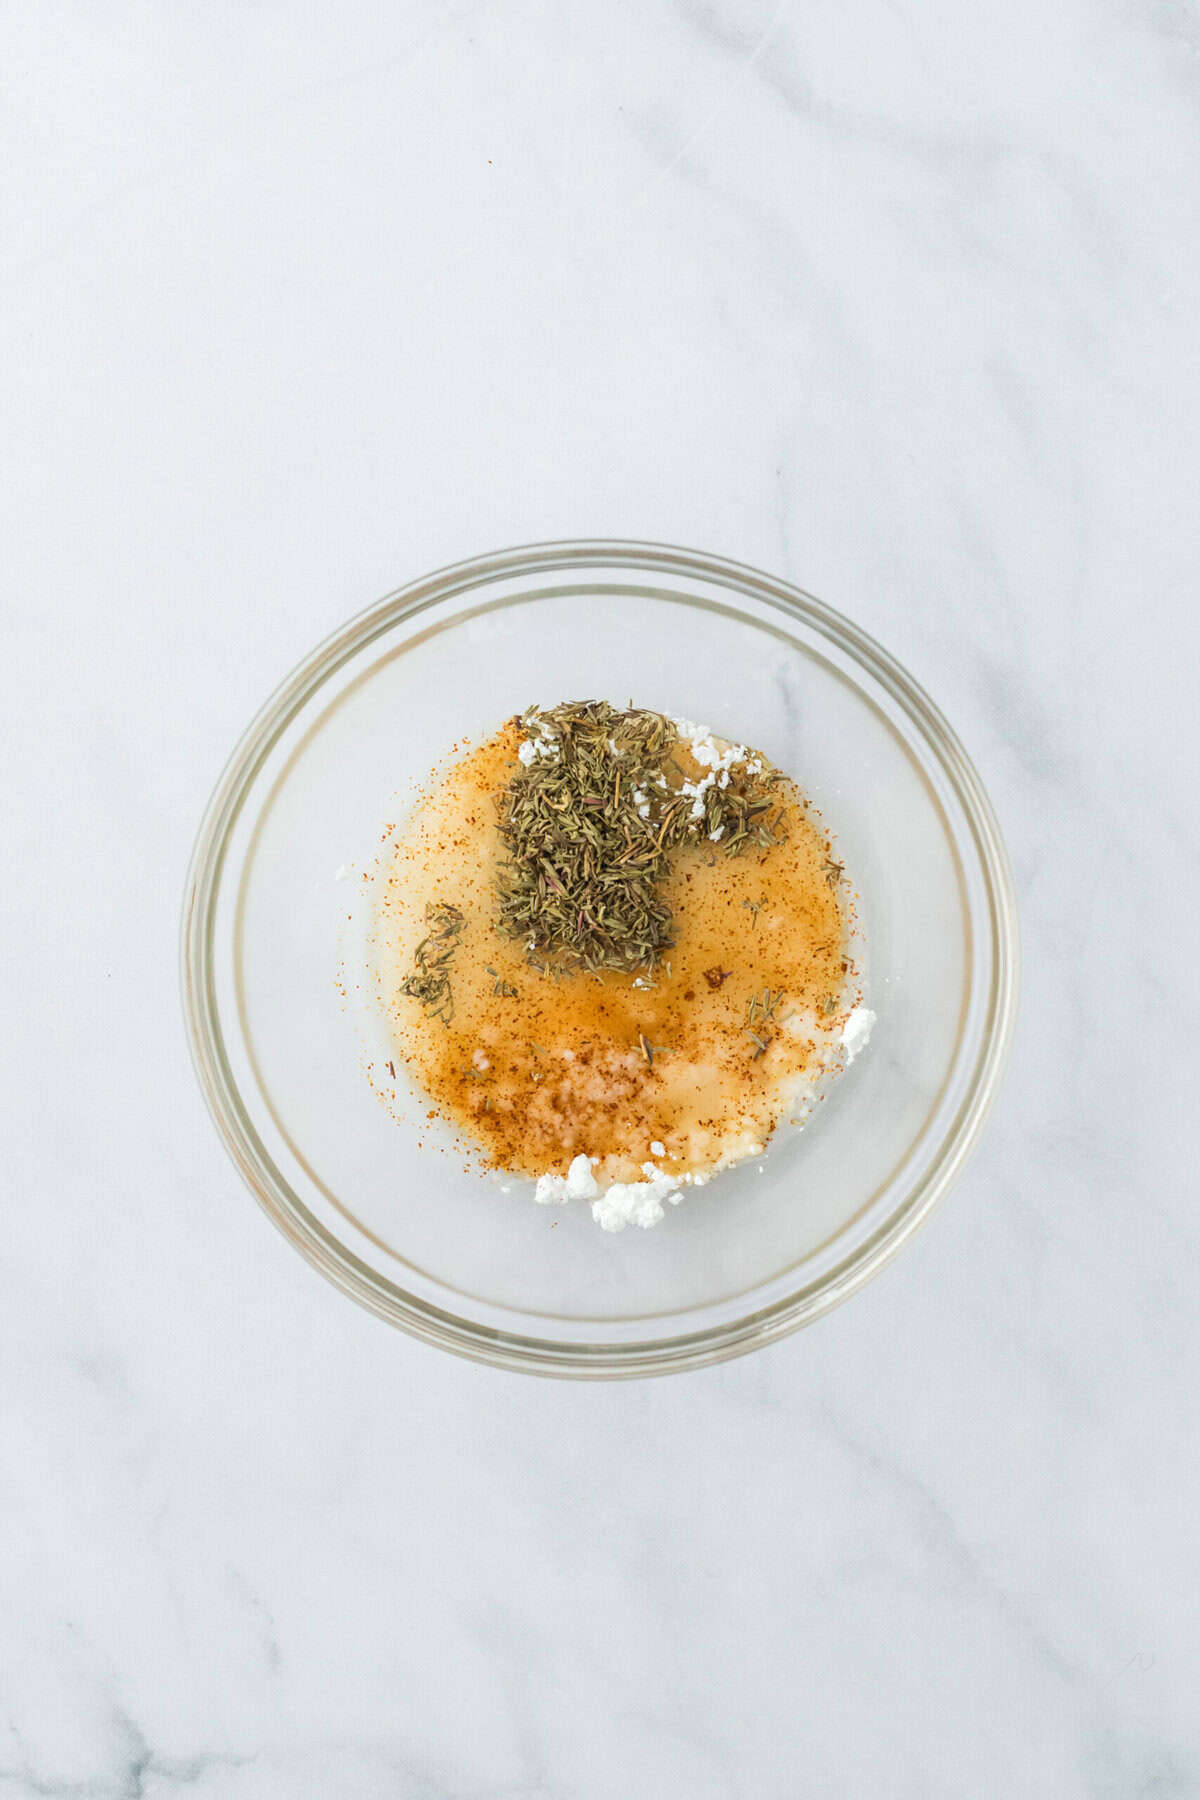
{"type": "Point", "coordinates": [279, 1049]}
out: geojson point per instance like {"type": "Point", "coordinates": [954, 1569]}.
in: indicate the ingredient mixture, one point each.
{"type": "Point", "coordinates": [615, 953]}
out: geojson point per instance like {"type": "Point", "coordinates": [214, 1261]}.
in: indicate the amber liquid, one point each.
{"type": "Point", "coordinates": [610, 1066]}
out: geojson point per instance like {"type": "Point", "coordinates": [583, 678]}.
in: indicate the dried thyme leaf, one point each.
{"type": "Point", "coordinates": [760, 1010]}
{"type": "Point", "coordinates": [762, 1006]}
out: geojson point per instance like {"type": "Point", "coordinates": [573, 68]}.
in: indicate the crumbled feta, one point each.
{"type": "Point", "coordinates": [577, 1184]}
{"type": "Point", "coordinates": [703, 745]}
{"type": "Point", "coordinates": [657, 1149]}
{"type": "Point", "coordinates": [635, 1203]}
{"type": "Point", "coordinates": [855, 1033]}
{"type": "Point", "coordinates": [531, 748]}
{"type": "Point", "coordinates": [704, 749]}
{"type": "Point", "coordinates": [480, 1060]}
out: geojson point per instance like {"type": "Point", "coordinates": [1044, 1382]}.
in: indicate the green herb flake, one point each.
{"type": "Point", "coordinates": [430, 981]}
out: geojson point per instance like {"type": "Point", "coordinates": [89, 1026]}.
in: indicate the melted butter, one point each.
{"type": "Point", "coordinates": [611, 1065]}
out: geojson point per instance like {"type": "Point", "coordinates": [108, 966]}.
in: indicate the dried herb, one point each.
{"type": "Point", "coordinates": [715, 976]}
{"type": "Point", "coordinates": [430, 983]}
{"type": "Point", "coordinates": [760, 1010]}
{"type": "Point", "coordinates": [590, 825]}
{"type": "Point", "coordinates": [762, 1006]}
{"type": "Point", "coordinates": [833, 871]}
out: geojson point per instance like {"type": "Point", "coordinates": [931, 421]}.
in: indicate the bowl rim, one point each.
{"type": "Point", "coordinates": [311, 1237]}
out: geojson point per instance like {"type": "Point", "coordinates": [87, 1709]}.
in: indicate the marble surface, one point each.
{"type": "Point", "coordinates": [899, 301]}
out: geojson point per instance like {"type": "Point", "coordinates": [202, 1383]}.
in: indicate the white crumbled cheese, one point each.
{"type": "Point", "coordinates": [703, 745]}
{"type": "Point", "coordinates": [624, 1203]}
{"type": "Point", "coordinates": [855, 1033]}
{"type": "Point", "coordinates": [577, 1184]}
{"type": "Point", "coordinates": [531, 748]}
{"type": "Point", "coordinates": [657, 1149]}
{"type": "Point", "coordinates": [635, 1203]}
{"type": "Point", "coordinates": [480, 1061]}
{"type": "Point", "coordinates": [704, 748]}
{"type": "Point", "coordinates": [714, 837]}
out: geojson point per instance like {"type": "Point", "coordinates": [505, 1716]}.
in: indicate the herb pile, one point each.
{"type": "Point", "coordinates": [590, 825]}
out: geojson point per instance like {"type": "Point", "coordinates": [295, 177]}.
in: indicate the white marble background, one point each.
{"type": "Point", "coordinates": [899, 300]}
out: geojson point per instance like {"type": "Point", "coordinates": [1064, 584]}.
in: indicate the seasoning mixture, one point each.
{"type": "Point", "coordinates": [614, 952]}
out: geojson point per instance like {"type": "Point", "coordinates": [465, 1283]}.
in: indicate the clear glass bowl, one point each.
{"type": "Point", "coordinates": [443, 1252]}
